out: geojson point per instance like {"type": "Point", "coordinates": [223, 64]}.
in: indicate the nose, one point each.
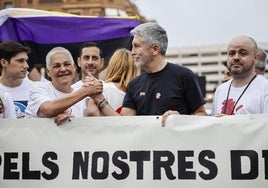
{"type": "Point", "coordinates": [236, 56]}
{"type": "Point", "coordinates": [133, 51]}
{"type": "Point", "coordinates": [90, 61]}
{"type": "Point", "coordinates": [62, 67]}
{"type": "Point", "coordinates": [25, 65]}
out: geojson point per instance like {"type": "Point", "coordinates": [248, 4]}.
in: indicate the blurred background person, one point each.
{"type": "Point", "coordinates": [261, 64]}
{"type": "Point", "coordinates": [227, 75]}
{"type": "Point", "coordinates": [120, 71]}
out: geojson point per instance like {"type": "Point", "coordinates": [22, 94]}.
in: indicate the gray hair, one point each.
{"type": "Point", "coordinates": [58, 50]}
{"type": "Point", "coordinates": [262, 60]}
{"type": "Point", "coordinates": [152, 33]}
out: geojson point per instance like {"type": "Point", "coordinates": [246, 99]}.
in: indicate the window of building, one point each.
{"type": "Point", "coordinates": [8, 5]}
{"type": "Point", "coordinates": [50, 1]}
{"type": "Point", "coordinates": [114, 12]}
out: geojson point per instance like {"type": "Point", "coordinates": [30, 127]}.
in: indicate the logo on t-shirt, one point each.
{"type": "Point", "coordinates": [158, 95]}
{"type": "Point", "coordinates": [20, 107]}
{"type": "Point", "coordinates": [142, 93]}
{"type": "Point", "coordinates": [229, 105]}
{"type": "Point", "coordinates": [118, 110]}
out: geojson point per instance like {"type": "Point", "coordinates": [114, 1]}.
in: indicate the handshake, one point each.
{"type": "Point", "coordinates": [92, 86]}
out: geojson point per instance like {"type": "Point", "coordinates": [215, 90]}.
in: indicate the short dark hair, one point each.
{"type": "Point", "coordinates": [9, 49]}
{"type": "Point", "coordinates": [90, 44]}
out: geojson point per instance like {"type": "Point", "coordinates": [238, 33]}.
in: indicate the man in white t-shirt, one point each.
{"type": "Point", "coordinates": [246, 92]}
{"type": "Point", "coordinates": [13, 60]}
{"type": "Point", "coordinates": [90, 61]}
{"type": "Point", "coordinates": [57, 98]}
{"type": "Point", "coordinates": [7, 109]}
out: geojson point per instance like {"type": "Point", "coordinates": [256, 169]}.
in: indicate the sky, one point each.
{"type": "Point", "coordinates": [207, 22]}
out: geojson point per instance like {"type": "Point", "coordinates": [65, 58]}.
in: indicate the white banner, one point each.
{"type": "Point", "coordinates": [131, 152]}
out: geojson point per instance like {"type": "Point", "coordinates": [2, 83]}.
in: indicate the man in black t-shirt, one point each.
{"type": "Point", "coordinates": [163, 88]}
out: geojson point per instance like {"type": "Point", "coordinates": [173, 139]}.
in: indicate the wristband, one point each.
{"type": "Point", "coordinates": [102, 104]}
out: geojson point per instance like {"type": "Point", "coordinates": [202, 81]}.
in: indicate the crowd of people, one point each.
{"type": "Point", "coordinates": [136, 82]}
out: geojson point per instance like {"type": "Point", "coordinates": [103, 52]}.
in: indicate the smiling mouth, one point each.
{"type": "Point", "coordinates": [64, 75]}
{"type": "Point", "coordinates": [91, 69]}
{"type": "Point", "coordinates": [136, 59]}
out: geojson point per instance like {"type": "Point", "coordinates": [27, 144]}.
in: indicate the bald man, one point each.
{"type": "Point", "coordinates": [245, 93]}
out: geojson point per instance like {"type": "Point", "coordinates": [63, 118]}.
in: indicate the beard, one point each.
{"type": "Point", "coordinates": [139, 64]}
{"type": "Point", "coordinates": [91, 71]}
{"type": "Point", "coordinates": [143, 61]}
{"type": "Point", "coordinates": [243, 71]}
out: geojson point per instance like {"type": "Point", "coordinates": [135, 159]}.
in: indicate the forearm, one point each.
{"type": "Point", "coordinates": [104, 106]}
{"type": "Point", "coordinates": [57, 106]}
{"type": "Point", "coordinates": [92, 108]}
{"type": "Point", "coordinates": [201, 111]}
{"type": "Point", "coordinates": [109, 111]}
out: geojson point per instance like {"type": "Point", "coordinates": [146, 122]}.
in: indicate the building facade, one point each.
{"type": "Point", "coordinates": [205, 61]}
{"type": "Point", "coordinates": [79, 7]}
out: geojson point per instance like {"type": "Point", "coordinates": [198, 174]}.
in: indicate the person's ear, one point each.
{"type": "Point", "coordinates": [156, 49]}
{"type": "Point", "coordinates": [79, 63]}
{"type": "Point", "coordinates": [3, 62]}
{"type": "Point", "coordinates": [256, 58]}
{"type": "Point", "coordinates": [48, 72]}
{"type": "Point", "coordinates": [102, 62]}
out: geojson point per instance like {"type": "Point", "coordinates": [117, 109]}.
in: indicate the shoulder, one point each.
{"type": "Point", "coordinates": [178, 69]}
{"type": "Point", "coordinates": [141, 77]}
{"type": "Point", "coordinates": [261, 82]}
{"type": "Point", "coordinates": [41, 86]}
{"type": "Point", "coordinates": [108, 84]}
{"type": "Point", "coordinates": [261, 78]}
{"type": "Point", "coordinates": [27, 81]}
{"type": "Point", "coordinates": [224, 86]}
{"type": "Point", "coordinates": [77, 84]}
{"type": "Point", "coordinates": [109, 89]}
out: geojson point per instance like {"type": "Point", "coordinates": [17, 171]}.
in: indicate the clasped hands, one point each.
{"type": "Point", "coordinates": [95, 85]}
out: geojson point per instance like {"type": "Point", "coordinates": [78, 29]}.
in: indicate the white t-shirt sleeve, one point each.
{"type": "Point", "coordinates": [9, 108]}
{"type": "Point", "coordinates": [38, 95]}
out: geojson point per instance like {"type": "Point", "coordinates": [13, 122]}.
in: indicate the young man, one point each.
{"type": "Point", "coordinates": [164, 88]}
{"type": "Point", "coordinates": [90, 61]}
{"type": "Point", "coordinates": [245, 93]}
{"type": "Point", "coordinates": [13, 60]}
